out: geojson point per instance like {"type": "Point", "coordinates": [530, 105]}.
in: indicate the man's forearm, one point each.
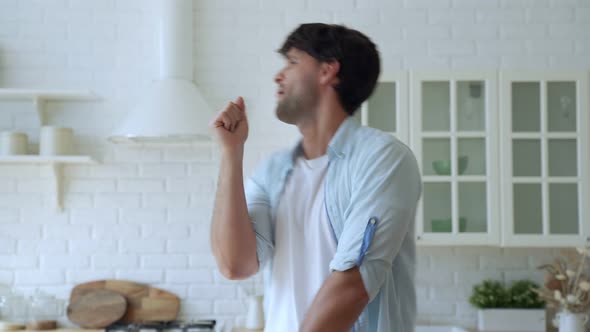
{"type": "Point", "coordinates": [338, 303]}
{"type": "Point", "coordinates": [232, 237]}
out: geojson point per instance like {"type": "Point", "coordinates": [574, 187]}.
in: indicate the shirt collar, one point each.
{"type": "Point", "coordinates": [337, 143]}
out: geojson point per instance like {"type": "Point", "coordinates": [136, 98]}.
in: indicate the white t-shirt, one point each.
{"type": "Point", "coordinates": [304, 246]}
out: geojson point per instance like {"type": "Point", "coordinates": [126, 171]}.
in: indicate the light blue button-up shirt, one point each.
{"type": "Point", "coordinates": [372, 189]}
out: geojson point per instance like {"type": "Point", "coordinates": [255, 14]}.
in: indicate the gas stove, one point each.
{"type": "Point", "coordinates": [171, 326]}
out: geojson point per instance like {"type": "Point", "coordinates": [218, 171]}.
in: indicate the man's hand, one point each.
{"type": "Point", "coordinates": [231, 125]}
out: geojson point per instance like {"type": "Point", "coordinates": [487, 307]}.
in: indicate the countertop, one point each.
{"type": "Point", "coordinates": [247, 330]}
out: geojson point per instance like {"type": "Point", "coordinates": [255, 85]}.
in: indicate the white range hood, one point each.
{"type": "Point", "coordinates": [172, 110]}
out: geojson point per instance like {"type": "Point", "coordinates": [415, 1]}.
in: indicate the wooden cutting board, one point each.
{"type": "Point", "coordinates": [96, 308]}
{"type": "Point", "coordinates": [144, 303]}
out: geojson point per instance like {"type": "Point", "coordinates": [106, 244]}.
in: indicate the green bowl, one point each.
{"type": "Point", "coordinates": [443, 167]}
{"type": "Point", "coordinates": [445, 225]}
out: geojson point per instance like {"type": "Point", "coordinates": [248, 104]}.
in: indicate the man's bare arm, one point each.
{"type": "Point", "coordinates": [338, 303]}
{"type": "Point", "coordinates": [233, 240]}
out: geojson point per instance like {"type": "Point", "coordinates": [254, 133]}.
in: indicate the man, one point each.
{"type": "Point", "coordinates": [330, 221]}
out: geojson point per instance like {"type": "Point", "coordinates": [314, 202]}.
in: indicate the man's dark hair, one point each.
{"type": "Point", "coordinates": [356, 53]}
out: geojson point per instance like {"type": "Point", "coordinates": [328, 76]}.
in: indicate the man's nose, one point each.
{"type": "Point", "coordinates": [279, 77]}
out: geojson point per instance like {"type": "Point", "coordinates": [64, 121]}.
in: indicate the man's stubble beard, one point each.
{"type": "Point", "coordinates": [288, 110]}
{"type": "Point", "coordinates": [291, 109]}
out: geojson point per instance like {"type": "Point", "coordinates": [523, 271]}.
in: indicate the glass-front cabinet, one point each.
{"type": "Point", "coordinates": [387, 108]}
{"type": "Point", "coordinates": [544, 127]}
{"type": "Point", "coordinates": [504, 156]}
{"type": "Point", "coordinates": [454, 135]}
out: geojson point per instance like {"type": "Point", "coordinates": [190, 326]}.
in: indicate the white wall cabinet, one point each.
{"type": "Point", "coordinates": [504, 156]}
{"type": "Point", "coordinates": [545, 159]}
{"type": "Point", "coordinates": [454, 136]}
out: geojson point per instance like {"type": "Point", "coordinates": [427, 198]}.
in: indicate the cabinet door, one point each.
{"type": "Point", "coordinates": [544, 131]}
{"type": "Point", "coordinates": [454, 136]}
{"type": "Point", "coordinates": [387, 108]}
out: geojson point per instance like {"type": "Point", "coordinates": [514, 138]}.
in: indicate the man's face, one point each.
{"type": "Point", "coordinates": [298, 86]}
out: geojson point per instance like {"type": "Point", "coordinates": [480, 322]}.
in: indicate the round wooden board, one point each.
{"type": "Point", "coordinates": [97, 308]}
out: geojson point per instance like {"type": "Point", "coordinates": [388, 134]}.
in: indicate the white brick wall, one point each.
{"type": "Point", "coordinates": [143, 214]}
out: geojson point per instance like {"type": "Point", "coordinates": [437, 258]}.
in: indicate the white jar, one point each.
{"type": "Point", "coordinates": [56, 141]}
{"type": "Point", "coordinates": [13, 143]}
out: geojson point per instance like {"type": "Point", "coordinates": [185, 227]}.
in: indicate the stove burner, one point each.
{"type": "Point", "coordinates": [176, 326]}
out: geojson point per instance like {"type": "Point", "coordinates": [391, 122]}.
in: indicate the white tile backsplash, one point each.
{"type": "Point", "coordinates": [143, 213]}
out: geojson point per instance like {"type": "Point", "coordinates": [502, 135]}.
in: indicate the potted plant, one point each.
{"type": "Point", "coordinates": [516, 309]}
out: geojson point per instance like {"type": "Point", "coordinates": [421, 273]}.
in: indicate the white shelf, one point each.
{"type": "Point", "coordinates": [56, 163]}
{"type": "Point", "coordinates": [39, 97]}
{"type": "Point", "coordinates": [33, 159]}
{"type": "Point", "coordinates": [25, 94]}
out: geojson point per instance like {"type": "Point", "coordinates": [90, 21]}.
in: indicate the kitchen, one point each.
{"type": "Point", "coordinates": [141, 212]}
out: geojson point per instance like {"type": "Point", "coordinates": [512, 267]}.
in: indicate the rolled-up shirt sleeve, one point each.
{"type": "Point", "coordinates": [384, 196]}
{"type": "Point", "coordinates": [259, 211]}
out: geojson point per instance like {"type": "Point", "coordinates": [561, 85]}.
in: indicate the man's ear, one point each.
{"type": "Point", "coordinates": [329, 73]}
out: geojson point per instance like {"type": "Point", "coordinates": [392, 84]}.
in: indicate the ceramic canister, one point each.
{"type": "Point", "coordinates": [13, 143]}
{"type": "Point", "coordinates": [56, 141]}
